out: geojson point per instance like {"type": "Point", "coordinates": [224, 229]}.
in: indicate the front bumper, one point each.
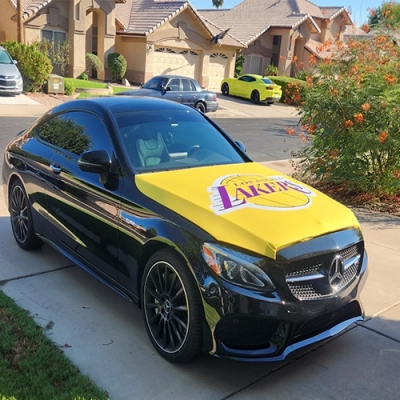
{"type": "Point", "coordinates": [253, 326]}
{"type": "Point", "coordinates": [10, 90]}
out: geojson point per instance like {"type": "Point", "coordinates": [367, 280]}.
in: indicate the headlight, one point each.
{"type": "Point", "coordinates": [237, 268]}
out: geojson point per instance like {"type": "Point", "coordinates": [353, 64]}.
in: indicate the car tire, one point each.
{"type": "Point", "coordinates": [21, 218]}
{"type": "Point", "coordinates": [255, 97]}
{"type": "Point", "coordinates": [200, 106]}
{"type": "Point", "coordinates": [172, 308]}
{"type": "Point", "coordinates": [225, 89]}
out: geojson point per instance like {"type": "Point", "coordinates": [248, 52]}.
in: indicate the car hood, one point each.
{"type": "Point", "coordinates": [9, 70]}
{"type": "Point", "coordinates": [248, 205]}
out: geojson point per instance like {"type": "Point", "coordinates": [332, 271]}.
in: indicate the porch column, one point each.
{"type": "Point", "coordinates": [76, 38]}
{"type": "Point", "coordinates": [106, 39]}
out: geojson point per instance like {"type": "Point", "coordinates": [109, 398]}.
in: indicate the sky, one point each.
{"type": "Point", "coordinates": [358, 8]}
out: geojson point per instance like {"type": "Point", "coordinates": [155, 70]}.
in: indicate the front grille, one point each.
{"type": "Point", "coordinates": [323, 322]}
{"type": "Point", "coordinates": [311, 278]}
{"type": "Point", "coordinates": [245, 331]}
{"type": "Point", "coordinates": [7, 83]}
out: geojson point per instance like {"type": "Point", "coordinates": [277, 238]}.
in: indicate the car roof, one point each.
{"type": "Point", "coordinates": [120, 104]}
{"type": "Point", "coordinates": [173, 76]}
{"type": "Point", "coordinates": [253, 75]}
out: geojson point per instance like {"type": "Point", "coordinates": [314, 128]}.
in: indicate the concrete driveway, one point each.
{"type": "Point", "coordinates": [20, 105]}
{"type": "Point", "coordinates": [104, 335]}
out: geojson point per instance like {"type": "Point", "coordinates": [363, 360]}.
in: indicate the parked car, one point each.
{"type": "Point", "coordinates": [180, 89]}
{"type": "Point", "coordinates": [10, 77]}
{"type": "Point", "coordinates": [254, 87]}
{"type": "Point", "coordinates": [221, 253]}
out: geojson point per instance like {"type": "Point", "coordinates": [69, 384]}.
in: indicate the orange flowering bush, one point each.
{"type": "Point", "coordinates": [354, 110]}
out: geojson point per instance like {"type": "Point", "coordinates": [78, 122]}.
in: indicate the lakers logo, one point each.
{"type": "Point", "coordinates": [277, 193]}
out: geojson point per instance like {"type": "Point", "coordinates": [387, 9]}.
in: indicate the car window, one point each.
{"type": "Point", "coordinates": [155, 83]}
{"type": "Point", "coordinates": [247, 78]}
{"type": "Point", "coordinates": [174, 84]}
{"type": "Point", "coordinates": [5, 58]}
{"type": "Point", "coordinates": [267, 81]}
{"type": "Point", "coordinates": [75, 132]}
{"type": "Point", "coordinates": [188, 85]}
{"type": "Point", "coordinates": [173, 140]}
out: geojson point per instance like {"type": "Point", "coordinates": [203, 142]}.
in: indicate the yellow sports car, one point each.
{"type": "Point", "coordinates": [254, 87]}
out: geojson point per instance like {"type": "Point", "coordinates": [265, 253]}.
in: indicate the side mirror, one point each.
{"type": "Point", "coordinates": [97, 161]}
{"type": "Point", "coordinates": [140, 85]}
{"type": "Point", "coordinates": [241, 146]}
{"type": "Point", "coordinates": [15, 62]}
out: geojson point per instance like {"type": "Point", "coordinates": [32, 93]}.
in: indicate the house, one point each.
{"type": "Point", "coordinates": [280, 31]}
{"type": "Point", "coordinates": [155, 36]}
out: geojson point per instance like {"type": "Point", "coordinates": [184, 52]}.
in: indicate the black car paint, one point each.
{"type": "Point", "coordinates": [107, 226]}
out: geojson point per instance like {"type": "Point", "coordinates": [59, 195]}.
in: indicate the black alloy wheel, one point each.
{"type": "Point", "coordinates": [255, 97]}
{"type": "Point", "coordinates": [21, 218]}
{"type": "Point", "coordinates": [171, 307]}
{"type": "Point", "coordinates": [225, 89]}
{"type": "Point", "coordinates": [200, 106]}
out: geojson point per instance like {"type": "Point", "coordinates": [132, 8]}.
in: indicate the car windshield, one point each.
{"type": "Point", "coordinates": [5, 58]}
{"type": "Point", "coordinates": [166, 140]}
{"type": "Point", "coordinates": [155, 83]}
{"type": "Point", "coordinates": [267, 81]}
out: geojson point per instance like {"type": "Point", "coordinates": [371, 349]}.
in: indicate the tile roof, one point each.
{"type": "Point", "coordinates": [142, 17]}
{"type": "Point", "coordinates": [355, 31]}
{"type": "Point", "coordinates": [32, 7]}
{"type": "Point", "coordinates": [251, 18]}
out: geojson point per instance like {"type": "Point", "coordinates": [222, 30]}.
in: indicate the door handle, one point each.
{"type": "Point", "coordinates": [55, 168]}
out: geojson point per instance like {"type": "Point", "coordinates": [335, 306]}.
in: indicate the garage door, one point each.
{"type": "Point", "coordinates": [217, 67]}
{"type": "Point", "coordinates": [173, 61]}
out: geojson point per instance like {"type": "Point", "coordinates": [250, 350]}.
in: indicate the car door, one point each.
{"type": "Point", "coordinates": [174, 90]}
{"type": "Point", "coordinates": [247, 84]}
{"type": "Point", "coordinates": [82, 206]}
{"type": "Point", "coordinates": [240, 86]}
{"type": "Point", "coordinates": [189, 92]}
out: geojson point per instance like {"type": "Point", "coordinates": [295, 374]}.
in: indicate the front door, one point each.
{"type": "Point", "coordinates": [82, 206]}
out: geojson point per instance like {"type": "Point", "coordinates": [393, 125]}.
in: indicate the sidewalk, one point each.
{"type": "Point", "coordinates": [107, 340]}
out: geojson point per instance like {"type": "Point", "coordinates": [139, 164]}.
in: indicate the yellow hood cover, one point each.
{"type": "Point", "coordinates": [247, 205]}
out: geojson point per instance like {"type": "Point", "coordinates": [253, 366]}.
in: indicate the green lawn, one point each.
{"type": "Point", "coordinates": [80, 83]}
{"type": "Point", "coordinates": [31, 366]}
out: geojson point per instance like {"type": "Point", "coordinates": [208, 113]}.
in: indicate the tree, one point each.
{"type": "Point", "coordinates": [387, 15]}
{"type": "Point", "coordinates": [218, 3]}
{"type": "Point", "coordinates": [20, 22]}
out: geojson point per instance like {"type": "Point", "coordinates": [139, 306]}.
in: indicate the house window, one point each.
{"type": "Point", "coordinates": [275, 40]}
{"type": "Point", "coordinates": [54, 36]}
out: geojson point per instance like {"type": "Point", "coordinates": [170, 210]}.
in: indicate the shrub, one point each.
{"type": "Point", "coordinates": [35, 67]}
{"type": "Point", "coordinates": [58, 53]}
{"type": "Point", "coordinates": [271, 70]}
{"type": "Point", "coordinates": [93, 62]}
{"type": "Point", "coordinates": [68, 88]}
{"type": "Point", "coordinates": [117, 65]}
{"type": "Point", "coordinates": [239, 65]}
{"type": "Point", "coordinates": [353, 116]}
{"type": "Point", "coordinates": [293, 90]}
{"type": "Point", "coordinates": [83, 76]}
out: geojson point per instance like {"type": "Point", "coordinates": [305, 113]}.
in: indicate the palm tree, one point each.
{"type": "Point", "coordinates": [20, 27]}
{"type": "Point", "coordinates": [218, 3]}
